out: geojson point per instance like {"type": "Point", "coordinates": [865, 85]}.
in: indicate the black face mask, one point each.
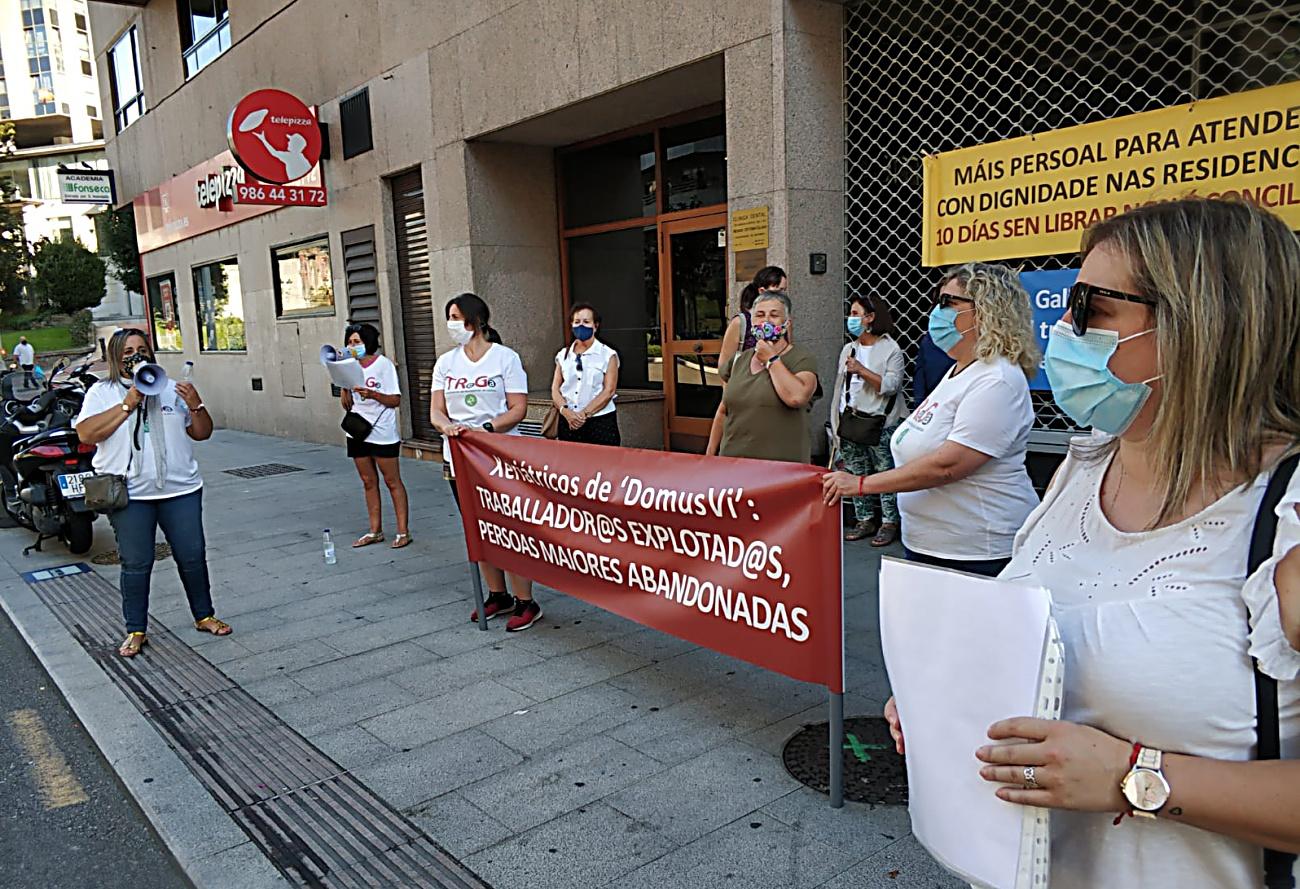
{"type": "Point", "coordinates": [132, 363]}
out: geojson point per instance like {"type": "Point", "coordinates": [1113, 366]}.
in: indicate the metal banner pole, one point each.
{"type": "Point", "coordinates": [837, 750]}
{"type": "Point", "coordinates": [478, 595]}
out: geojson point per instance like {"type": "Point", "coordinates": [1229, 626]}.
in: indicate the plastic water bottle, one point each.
{"type": "Point", "coordinates": [187, 372]}
{"type": "Point", "coordinates": [329, 549]}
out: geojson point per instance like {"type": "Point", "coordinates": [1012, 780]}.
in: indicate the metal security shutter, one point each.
{"type": "Point", "coordinates": [354, 120]}
{"type": "Point", "coordinates": [926, 76]}
{"type": "Point", "coordinates": [359, 275]}
{"type": "Point", "coordinates": [416, 291]}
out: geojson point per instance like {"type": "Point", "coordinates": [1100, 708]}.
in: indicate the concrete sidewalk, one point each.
{"type": "Point", "coordinates": [585, 752]}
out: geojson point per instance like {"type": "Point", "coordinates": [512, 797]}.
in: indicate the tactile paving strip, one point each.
{"type": "Point", "coordinates": [262, 470]}
{"type": "Point", "coordinates": [314, 821]}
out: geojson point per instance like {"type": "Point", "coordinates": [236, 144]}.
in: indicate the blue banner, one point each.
{"type": "Point", "coordinates": [1049, 294]}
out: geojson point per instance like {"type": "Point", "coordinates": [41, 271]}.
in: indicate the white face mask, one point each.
{"type": "Point", "coordinates": [458, 333]}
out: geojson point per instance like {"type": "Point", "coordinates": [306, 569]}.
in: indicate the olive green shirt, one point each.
{"type": "Point", "coordinates": [758, 423]}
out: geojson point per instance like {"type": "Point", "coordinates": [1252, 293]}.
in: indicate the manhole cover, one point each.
{"type": "Point", "coordinates": [873, 772]}
{"type": "Point", "coordinates": [263, 470]}
{"type": "Point", "coordinates": [160, 551]}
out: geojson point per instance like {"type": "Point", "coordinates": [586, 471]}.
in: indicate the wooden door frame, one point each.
{"type": "Point", "coordinates": [683, 223]}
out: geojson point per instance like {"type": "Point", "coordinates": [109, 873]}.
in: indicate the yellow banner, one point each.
{"type": "Point", "coordinates": [1034, 195]}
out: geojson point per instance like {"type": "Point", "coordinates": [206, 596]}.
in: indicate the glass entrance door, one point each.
{"type": "Point", "coordinates": [693, 295]}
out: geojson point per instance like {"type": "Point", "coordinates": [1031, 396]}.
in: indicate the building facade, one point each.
{"type": "Point", "coordinates": [642, 155]}
{"type": "Point", "coordinates": [538, 154]}
{"type": "Point", "coordinates": [49, 91]}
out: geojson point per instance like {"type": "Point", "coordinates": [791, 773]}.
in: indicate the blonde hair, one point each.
{"type": "Point", "coordinates": [117, 345]}
{"type": "Point", "coordinates": [1002, 308]}
{"type": "Point", "coordinates": [1225, 276]}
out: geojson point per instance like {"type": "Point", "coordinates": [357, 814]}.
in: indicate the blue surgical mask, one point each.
{"type": "Point", "coordinates": [583, 332]}
{"type": "Point", "coordinates": [854, 325]}
{"type": "Point", "coordinates": [357, 351]}
{"type": "Point", "coordinates": [943, 326]}
{"type": "Point", "coordinates": [1083, 386]}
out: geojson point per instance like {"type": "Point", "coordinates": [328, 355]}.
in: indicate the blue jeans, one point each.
{"type": "Point", "coordinates": [181, 519]}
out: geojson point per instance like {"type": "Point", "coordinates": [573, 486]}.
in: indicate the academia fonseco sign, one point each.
{"type": "Point", "coordinates": [91, 187]}
{"type": "Point", "coordinates": [274, 136]}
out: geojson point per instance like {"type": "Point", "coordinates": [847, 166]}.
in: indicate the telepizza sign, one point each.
{"type": "Point", "coordinates": [276, 139]}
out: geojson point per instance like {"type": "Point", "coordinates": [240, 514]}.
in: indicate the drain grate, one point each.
{"type": "Point", "coordinates": [262, 470]}
{"type": "Point", "coordinates": [317, 824]}
{"type": "Point", "coordinates": [873, 772]}
{"type": "Point", "coordinates": [113, 557]}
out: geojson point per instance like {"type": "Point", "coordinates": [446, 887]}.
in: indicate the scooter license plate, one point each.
{"type": "Point", "coordinates": [74, 485]}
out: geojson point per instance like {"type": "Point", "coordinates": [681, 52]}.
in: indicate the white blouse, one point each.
{"type": "Point", "coordinates": [580, 387]}
{"type": "Point", "coordinates": [1158, 650]}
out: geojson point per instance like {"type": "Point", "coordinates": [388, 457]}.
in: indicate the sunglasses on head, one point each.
{"type": "Point", "coordinates": [1081, 296]}
{"type": "Point", "coordinates": [946, 300]}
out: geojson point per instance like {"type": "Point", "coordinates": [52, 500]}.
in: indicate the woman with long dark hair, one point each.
{"type": "Point", "coordinates": [481, 385]}
{"type": "Point", "coordinates": [149, 440]}
{"type": "Point", "coordinates": [377, 402]}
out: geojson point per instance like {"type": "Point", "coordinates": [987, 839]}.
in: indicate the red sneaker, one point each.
{"type": "Point", "coordinates": [496, 603]}
{"type": "Point", "coordinates": [526, 614]}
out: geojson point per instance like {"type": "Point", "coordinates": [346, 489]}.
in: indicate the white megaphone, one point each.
{"type": "Point", "coordinates": [150, 379]}
{"type": "Point", "coordinates": [329, 354]}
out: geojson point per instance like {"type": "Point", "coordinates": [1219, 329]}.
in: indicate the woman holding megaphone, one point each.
{"type": "Point", "coordinates": [144, 426]}
{"type": "Point", "coordinates": [377, 450]}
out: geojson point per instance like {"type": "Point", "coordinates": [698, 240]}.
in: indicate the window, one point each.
{"type": "Point", "coordinates": [124, 81]}
{"type": "Point", "coordinates": [219, 306]}
{"type": "Point", "coordinates": [80, 21]}
{"type": "Point", "coordinates": [86, 69]}
{"type": "Point", "coordinates": [354, 119]}
{"type": "Point", "coordinates": [163, 313]}
{"type": "Point", "coordinates": [92, 111]}
{"type": "Point", "coordinates": [205, 32]}
{"type": "Point", "coordinates": [303, 282]}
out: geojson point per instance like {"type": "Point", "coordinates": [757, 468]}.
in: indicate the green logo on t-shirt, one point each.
{"type": "Point", "coordinates": [471, 400]}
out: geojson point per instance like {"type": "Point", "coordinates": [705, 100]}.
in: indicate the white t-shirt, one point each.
{"type": "Point", "coordinates": [381, 377]}
{"type": "Point", "coordinates": [882, 357]}
{"type": "Point", "coordinates": [987, 408]}
{"type": "Point", "coordinates": [580, 387]}
{"type": "Point", "coordinates": [24, 353]}
{"type": "Point", "coordinates": [476, 390]}
{"type": "Point", "coordinates": [1159, 628]}
{"type": "Point", "coordinates": [113, 455]}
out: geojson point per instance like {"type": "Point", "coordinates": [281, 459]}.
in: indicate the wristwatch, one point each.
{"type": "Point", "coordinates": [488, 427]}
{"type": "Point", "coordinates": [773, 360]}
{"type": "Point", "coordinates": [1145, 786]}
{"type": "Point", "coordinates": [126, 408]}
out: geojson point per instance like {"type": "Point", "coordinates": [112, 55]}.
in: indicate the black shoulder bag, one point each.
{"type": "Point", "coordinates": [857, 427]}
{"type": "Point", "coordinates": [356, 426]}
{"type": "Point", "coordinates": [1278, 873]}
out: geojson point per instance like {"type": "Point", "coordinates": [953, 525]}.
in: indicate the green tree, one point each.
{"type": "Point", "coordinates": [69, 277]}
{"type": "Point", "coordinates": [118, 245]}
{"type": "Point", "coordinates": [14, 257]}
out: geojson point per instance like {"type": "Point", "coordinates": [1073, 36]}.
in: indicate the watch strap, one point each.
{"type": "Point", "coordinates": [1149, 758]}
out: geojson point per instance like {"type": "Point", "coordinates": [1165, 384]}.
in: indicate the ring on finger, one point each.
{"type": "Point", "coordinates": [1031, 783]}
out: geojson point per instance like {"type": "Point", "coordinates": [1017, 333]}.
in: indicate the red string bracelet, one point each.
{"type": "Point", "coordinates": [1132, 761]}
{"type": "Point", "coordinates": [860, 479]}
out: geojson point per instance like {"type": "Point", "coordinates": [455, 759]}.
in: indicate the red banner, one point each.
{"type": "Point", "coordinates": [740, 556]}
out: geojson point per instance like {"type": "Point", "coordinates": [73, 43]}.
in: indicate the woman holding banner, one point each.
{"type": "Point", "coordinates": [377, 402]}
{"type": "Point", "coordinates": [1170, 541]}
{"type": "Point", "coordinates": [769, 387]}
{"type": "Point", "coordinates": [963, 491]}
{"type": "Point", "coordinates": [585, 382]}
{"type": "Point", "coordinates": [480, 385]}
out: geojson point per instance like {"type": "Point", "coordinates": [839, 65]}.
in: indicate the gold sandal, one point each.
{"type": "Point", "coordinates": [367, 539]}
{"type": "Point", "coordinates": [212, 625]}
{"type": "Point", "coordinates": [131, 646]}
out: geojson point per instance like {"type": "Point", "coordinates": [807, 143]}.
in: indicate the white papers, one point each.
{"type": "Point", "coordinates": [962, 653]}
{"type": "Point", "coordinates": [344, 373]}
